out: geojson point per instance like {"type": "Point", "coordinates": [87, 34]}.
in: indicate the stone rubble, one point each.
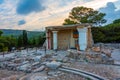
{"type": "Point", "coordinates": [32, 63]}
{"type": "Point", "coordinates": [96, 55]}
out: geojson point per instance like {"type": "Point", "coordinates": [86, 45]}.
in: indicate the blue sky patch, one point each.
{"type": "Point", "coordinates": [110, 11]}
{"type": "Point", "coordinates": [27, 6]}
{"type": "Point", "coordinates": [21, 22]}
{"type": "Point", "coordinates": [1, 1]}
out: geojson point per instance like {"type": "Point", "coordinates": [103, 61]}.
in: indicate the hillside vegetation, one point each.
{"type": "Point", "coordinates": [107, 34]}
{"type": "Point", "coordinates": [10, 39]}
{"type": "Point", "coordinates": [16, 33]}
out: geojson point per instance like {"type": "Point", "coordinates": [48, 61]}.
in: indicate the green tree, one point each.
{"type": "Point", "coordinates": [41, 40]}
{"type": "Point", "coordinates": [107, 34]}
{"type": "Point", "coordinates": [116, 21]}
{"type": "Point", "coordinates": [7, 41]}
{"type": "Point", "coordinates": [25, 38]}
{"type": "Point", "coordinates": [34, 41]}
{"type": "Point", "coordinates": [12, 42]}
{"type": "Point", "coordinates": [20, 41]}
{"type": "Point", "coordinates": [84, 15]}
{"type": "Point", "coordinates": [5, 48]}
{"type": "Point", "coordinates": [4, 43]}
{"type": "Point", "coordinates": [1, 47]}
{"type": "Point", "coordinates": [1, 33]}
{"type": "Point", "coordinates": [98, 34]}
{"type": "Point", "coordinates": [69, 21]}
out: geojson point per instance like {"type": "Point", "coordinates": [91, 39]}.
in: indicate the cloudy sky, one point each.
{"type": "Point", "coordinates": [37, 14]}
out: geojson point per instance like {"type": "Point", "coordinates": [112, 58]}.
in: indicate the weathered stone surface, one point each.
{"type": "Point", "coordinates": [92, 56]}
{"type": "Point", "coordinates": [96, 49]}
{"type": "Point", "coordinates": [106, 51]}
{"type": "Point", "coordinates": [53, 65]}
{"type": "Point", "coordinates": [41, 68]}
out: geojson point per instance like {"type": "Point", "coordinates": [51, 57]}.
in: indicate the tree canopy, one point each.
{"type": "Point", "coordinates": [84, 15]}
{"type": "Point", "coordinates": [25, 38]}
{"type": "Point", "coordinates": [8, 42]}
{"type": "Point", "coordinates": [107, 34]}
{"type": "Point", "coordinates": [116, 21]}
{"type": "Point", "coordinates": [1, 33]}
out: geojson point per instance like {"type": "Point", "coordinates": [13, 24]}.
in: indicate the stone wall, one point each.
{"type": "Point", "coordinates": [92, 57]}
{"type": "Point", "coordinates": [64, 39]}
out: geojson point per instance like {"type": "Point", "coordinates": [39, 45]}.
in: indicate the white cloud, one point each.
{"type": "Point", "coordinates": [117, 4]}
{"type": "Point", "coordinates": [55, 13]}
{"type": "Point", "coordinates": [96, 4]}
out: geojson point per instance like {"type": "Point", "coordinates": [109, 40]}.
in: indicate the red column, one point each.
{"type": "Point", "coordinates": [49, 40]}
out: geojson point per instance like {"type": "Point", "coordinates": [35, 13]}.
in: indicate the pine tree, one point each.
{"type": "Point", "coordinates": [25, 38]}
{"type": "Point", "coordinates": [20, 41]}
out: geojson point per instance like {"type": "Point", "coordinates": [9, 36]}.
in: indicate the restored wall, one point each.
{"type": "Point", "coordinates": [64, 39]}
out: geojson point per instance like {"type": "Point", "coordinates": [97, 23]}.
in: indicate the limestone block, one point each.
{"type": "Point", "coordinates": [96, 49]}
{"type": "Point", "coordinates": [107, 52]}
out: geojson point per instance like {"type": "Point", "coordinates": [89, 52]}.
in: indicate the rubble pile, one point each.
{"type": "Point", "coordinates": [96, 55]}
{"type": "Point", "coordinates": [112, 45]}
{"type": "Point", "coordinates": [30, 63]}
{"type": "Point", "coordinates": [36, 63]}
{"type": "Point", "coordinates": [24, 62]}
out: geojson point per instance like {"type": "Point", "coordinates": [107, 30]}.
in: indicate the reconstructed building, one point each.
{"type": "Point", "coordinates": [69, 36]}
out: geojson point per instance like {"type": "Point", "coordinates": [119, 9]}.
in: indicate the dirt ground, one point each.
{"type": "Point", "coordinates": [67, 76]}
{"type": "Point", "coordinates": [10, 75]}
{"type": "Point", "coordinates": [108, 71]}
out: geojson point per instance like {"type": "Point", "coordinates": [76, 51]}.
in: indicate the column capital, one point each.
{"type": "Point", "coordinates": [54, 31]}
{"type": "Point", "coordinates": [82, 29]}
